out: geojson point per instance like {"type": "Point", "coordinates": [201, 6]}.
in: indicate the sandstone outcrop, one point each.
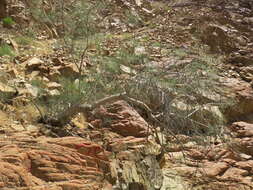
{"type": "Point", "coordinates": [52, 163]}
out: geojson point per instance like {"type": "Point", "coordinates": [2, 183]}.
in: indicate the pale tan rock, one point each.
{"type": "Point", "coordinates": [34, 63]}
{"type": "Point", "coordinates": [6, 91]}
{"type": "Point", "coordinates": [53, 85]}
{"type": "Point", "coordinates": [32, 90]}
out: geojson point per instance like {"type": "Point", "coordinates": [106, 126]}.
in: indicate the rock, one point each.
{"type": "Point", "coordinates": [240, 60]}
{"type": "Point", "coordinates": [196, 155]}
{"type": "Point", "coordinates": [172, 180]}
{"type": "Point", "coordinates": [248, 20]}
{"type": "Point", "coordinates": [137, 172]}
{"type": "Point", "coordinates": [53, 85]}
{"type": "Point", "coordinates": [213, 169]}
{"type": "Point", "coordinates": [140, 50]}
{"type": "Point", "coordinates": [34, 74]}
{"type": "Point", "coordinates": [244, 145]}
{"type": "Point", "coordinates": [54, 75]}
{"type": "Point", "coordinates": [6, 91]}
{"type": "Point", "coordinates": [69, 70]}
{"type": "Point", "coordinates": [123, 119]}
{"type": "Point", "coordinates": [239, 96]}
{"type": "Point", "coordinates": [127, 70]}
{"type": "Point", "coordinates": [133, 143]}
{"type": "Point", "coordinates": [234, 173]}
{"type": "Point", "coordinates": [54, 92]}
{"type": "Point", "coordinates": [243, 141]}
{"type": "Point", "coordinates": [186, 170]}
{"type": "Point", "coordinates": [32, 90]}
{"type": "Point", "coordinates": [33, 63]}
{"type": "Point", "coordinates": [135, 164]}
{"type": "Point", "coordinates": [245, 165]}
{"type": "Point", "coordinates": [217, 38]}
{"type": "Point", "coordinates": [242, 129]}
{"type": "Point", "coordinates": [68, 163]}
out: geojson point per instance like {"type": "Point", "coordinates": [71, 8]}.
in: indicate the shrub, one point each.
{"type": "Point", "coordinates": [6, 50]}
{"type": "Point", "coordinates": [8, 21]}
{"type": "Point", "coordinates": [174, 94]}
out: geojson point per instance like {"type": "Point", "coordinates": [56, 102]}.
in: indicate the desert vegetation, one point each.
{"type": "Point", "coordinates": [81, 67]}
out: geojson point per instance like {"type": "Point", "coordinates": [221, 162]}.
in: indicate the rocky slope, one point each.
{"type": "Point", "coordinates": [113, 149]}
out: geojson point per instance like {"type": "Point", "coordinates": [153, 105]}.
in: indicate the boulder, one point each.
{"type": "Point", "coordinates": [242, 129]}
{"type": "Point", "coordinates": [123, 119]}
{"type": "Point", "coordinates": [34, 63]}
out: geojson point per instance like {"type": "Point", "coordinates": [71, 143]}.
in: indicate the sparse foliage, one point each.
{"type": "Point", "coordinates": [172, 96]}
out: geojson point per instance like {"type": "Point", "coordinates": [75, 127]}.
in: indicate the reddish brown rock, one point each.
{"type": "Point", "coordinates": [242, 129]}
{"type": "Point", "coordinates": [246, 165]}
{"type": "Point", "coordinates": [214, 169]}
{"type": "Point", "coordinates": [235, 173]}
{"type": "Point", "coordinates": [123, 119]}
{"type": "Point", "coordinates": [195, 154]}
{"type": "Point", "coordinates": [62, 163]}
{"type": "Point", "coordinates": [244, 145]}
{"type": "Point", "coordinates": [241, 93]}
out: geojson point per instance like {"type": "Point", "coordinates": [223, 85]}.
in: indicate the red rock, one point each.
{"type": "Point", "coordinates": [195, 154]}
{"type": "Point", "coordinates": [124, 120]}
{"type": "Point", "coordinates": [216, 153]}
{"type": "Point", "coordinates": [51, 160]}
{"type": "Point", "coordinates": [246, 165]}
{"type": "Point", "coordinates": [234, 173]}
{"type": "Point", "coordinates": [242, 129]}
{"type": "Point", "coordinates": [214, 169]}
{"type": "Point", "coordinates": [242, 93]}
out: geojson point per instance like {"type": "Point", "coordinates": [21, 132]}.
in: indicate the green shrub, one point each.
{"type": "Point", "coordinates": [6, 50]}
{"type": "Point", "coordinates": [8, 21]}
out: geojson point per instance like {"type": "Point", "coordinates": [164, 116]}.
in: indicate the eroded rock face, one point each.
{"type": "Point", "coordinates": [60, 163]}
{"type": "Point", "coordinates": [135, 165]}
{"type": "Point", "coordinates": [240, 96]}
{"type": "Point", "coordinates": [243, 133]}
{"type": "Point", "coordinates": [218, 166]}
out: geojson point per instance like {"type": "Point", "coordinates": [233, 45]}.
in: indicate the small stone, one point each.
{"type": "Point", "coordinates": [53, 85]}
{"type": "Point", "coordinates": [34, 63]}
{"type": "Point", "coordinates": [140, 50]}
{"type": "Point", "coordinates": [54, 92]}
{"type": "Point", "coordinates": [32, 90]}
